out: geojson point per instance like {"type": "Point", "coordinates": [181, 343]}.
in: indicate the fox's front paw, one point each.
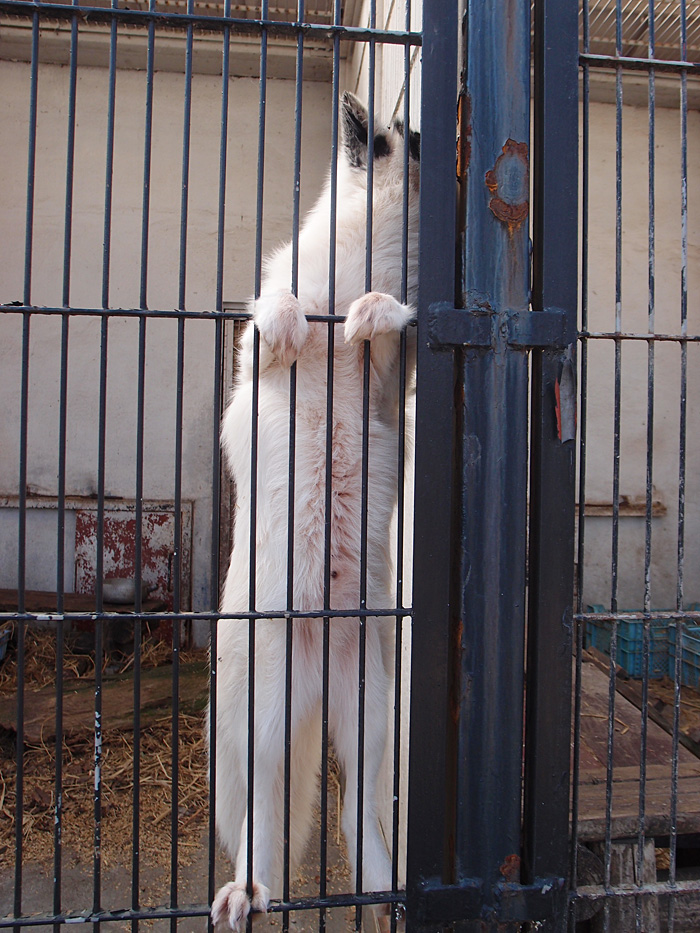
{"type": "Point", "coordinates": [232, 904]}
{"type": "Point", "coordinates": [282, 325]}
{"type": "Point", "coordinates": [374, 314]}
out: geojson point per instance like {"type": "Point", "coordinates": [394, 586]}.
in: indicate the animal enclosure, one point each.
{"type": "Point", "coordinates": [448, 321]}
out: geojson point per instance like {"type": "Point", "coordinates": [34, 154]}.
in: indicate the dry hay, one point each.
{"type": "Point", "coordinates": [117, 772]}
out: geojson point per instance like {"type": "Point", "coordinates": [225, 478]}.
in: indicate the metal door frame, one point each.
{"type": "Point", "coordinates": [470, 859]}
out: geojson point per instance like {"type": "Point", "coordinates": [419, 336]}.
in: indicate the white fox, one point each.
{"type": "Point", "coordinates": [285, 337]}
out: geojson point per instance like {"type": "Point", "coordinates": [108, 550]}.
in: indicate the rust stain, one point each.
{"type": "Point", "coordinates": [510, 869]}
{"type": "Point", "coordinates": [464, 139]}
{"type": "Point", "coordinates": [509, 183]}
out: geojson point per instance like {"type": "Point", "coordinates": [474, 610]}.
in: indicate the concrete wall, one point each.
{"type": "Point", "coordinates": [86, 278]}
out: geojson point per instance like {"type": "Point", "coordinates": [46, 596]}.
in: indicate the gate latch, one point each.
{"type": "Point", "coordinates": [480, 326]}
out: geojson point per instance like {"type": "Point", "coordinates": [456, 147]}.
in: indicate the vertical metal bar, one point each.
{"type": "Point", "coordinates": [177, 606]}
{"type": "Point", "coordinates": [682, 452]}
{"type": "Point", "coordinates": [401, 487]}
{"type": "Point", "coordinates": [431, 804]}
{"type": "Point", "coordinates": [552, 450]}
{"type": "Point", "coordinates": [216, 460]}
{"type": "Point", "coordinates": [21, 628]}
{"type": "Point", "coordinates": [22, 480]}
{"type": "Point", "coordinates": [70, 159]}
{"type": "Point", "coordinates": [328, 496]}
{"type": "Point", "coordinates": [140, 437]}
{"type": "Point", "coordinates": [177, 561]}
{"type": "Point", "coordinates": [138, 550]}
{"type": "Point", "coordinates": [582, 463]}
{"type": "Point", "coordinates": [364, 503]}
{"type": "Point", "coordinates": [647, 644]}
{"type": "Point", "coordinates": [493, 468]}
{"type": "Point", "coordinates": [252, 531]}
{"type": "Point", "coordinates": [31, 161]}
{"type": "Point", "coordinates": [102, 404]}
{"type": "Point", "coordinates": [99, 624]}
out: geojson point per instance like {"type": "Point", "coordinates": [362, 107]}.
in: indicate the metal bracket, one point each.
{"type": "Point", "coordinates": [440, 905]}
{"type": "Point", "coordinates": [546, 330]}
{"type": "Point", "coordinates": [450, 327]}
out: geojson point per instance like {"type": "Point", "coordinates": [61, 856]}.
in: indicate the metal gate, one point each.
{"type": "Point", "coordinates": [123, 307]}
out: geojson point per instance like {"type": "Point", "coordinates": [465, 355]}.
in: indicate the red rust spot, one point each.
{"type": "Point", "coordinates": [510, 869]}
{"type": "Point", "coordinates": [509, 183]}
{"type": "Point", "coordinates": [464, 139]}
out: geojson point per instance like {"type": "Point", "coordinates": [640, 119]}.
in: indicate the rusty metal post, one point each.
{"type": "Point", "coordinates": [494, 442]}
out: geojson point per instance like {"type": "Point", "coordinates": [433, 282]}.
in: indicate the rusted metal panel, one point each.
{"type": "Point", "coordinates": [158, 551]}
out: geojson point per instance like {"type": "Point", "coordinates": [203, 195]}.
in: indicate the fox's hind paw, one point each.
{"type": "Point", "coordinates": [282, 325]}
{"type": "Point", "coordinates": [373, 314]}
{"type": "Point", "coordinates": [232, 904]}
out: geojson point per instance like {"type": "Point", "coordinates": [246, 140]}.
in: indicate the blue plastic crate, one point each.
{"type": "Point", "coordinates": [690, 653]}
{"type": "Point", "coordinates": [630, 643]}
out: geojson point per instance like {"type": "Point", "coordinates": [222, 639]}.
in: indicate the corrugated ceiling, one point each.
{"type": "Point", "coordinates": [636, 35]}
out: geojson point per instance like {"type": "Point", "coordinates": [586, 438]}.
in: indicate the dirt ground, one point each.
{"type": "Point", "coordinates": [117, 786]}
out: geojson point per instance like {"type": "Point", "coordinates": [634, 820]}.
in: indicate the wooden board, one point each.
{"type": "Point", "coordinates": [626, 749]}
{"type": "Point", "coordinates": [38, 601]}
{"type": "Point", "coordinates": [156, 695]}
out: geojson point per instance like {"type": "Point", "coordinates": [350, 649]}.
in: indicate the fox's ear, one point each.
{"type": "Point", "coordinates": [413, 140]}
{"type": "Point", "coordinates": [355, 129]}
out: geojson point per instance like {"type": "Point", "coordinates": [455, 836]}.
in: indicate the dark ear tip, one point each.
{"type": "Point", "coordinates": [351, 103]}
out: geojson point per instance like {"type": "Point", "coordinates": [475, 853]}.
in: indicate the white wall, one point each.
{"type": "Point", "coordinates": [163, 272]}
{"type": "Point", "coordinates": [390, 65]}
{"type": "Point", "coordinates": [634, 308]}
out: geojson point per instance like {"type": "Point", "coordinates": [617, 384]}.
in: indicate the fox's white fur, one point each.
{"type": "Point", "coordinates": [286, 336]}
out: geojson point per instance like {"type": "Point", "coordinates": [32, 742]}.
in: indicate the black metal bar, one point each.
{"type": "Point", "coordinates": [217, 409]}
{"type": "Point", "coordinates": [289, 644]}
{"type": "Point", "coordinates": [552, 449]}
{"type": "Point", "coordinates": [682, 464]}
{"type": "Point", "coordinates": [638, 64]}
{"type": "Point", "coordinates": [328, 476]}
{"type": "Point", "coordinates": [138, 552]}
{"type": "Point", "coordinates": [493, 452]}
{"type": "Point", "coordinates": [139, 471]}
{"type": "Point", "coordinates": [252, 614]}
{"type": "Point", "coordinates": [430, 804]}
{"type": "Point", "coordinates": [239, 27]}
{"type": "Point", "coordinates": [646, 639]}
{"type": "Point", "coordinates": [364, 497]}
{"type": "Point", "coordinates": [200, 910]}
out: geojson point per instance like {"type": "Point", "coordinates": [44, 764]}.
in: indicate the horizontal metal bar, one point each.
{"type": "Point", "coordinates": [653, 616]}
{"type": "Point", "coordinates": [202, 910]}
{"type": "Point", "coordinates": [173, 313]}
{"type": "Point", "coordinates": [637, 64]}
{"type": "Point", "coordinates": [627, 335]}
{"type": "Point", "coordinates": [652, 889]}
{"type": "Point", "coordinates": [399, 612]}
{"type": "Point", "coordinates": [241, 27]}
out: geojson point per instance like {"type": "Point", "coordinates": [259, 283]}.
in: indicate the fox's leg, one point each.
{"type": "Point", "coordinates": [234, 902]}
{"type": "Point", "coordinates": [379, 318]}
{"type": "Point", "coordinates": [343, 715]}
{"type": "Point", "coordinates": [282, 325]}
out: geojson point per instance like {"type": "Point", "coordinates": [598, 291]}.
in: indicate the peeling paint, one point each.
{"type": "Point", "coordinates": [509, 183]}
{"type": "Point", "coordinates": [510, 869]}
{"type": "Point", "coordinates": [119, 549]}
